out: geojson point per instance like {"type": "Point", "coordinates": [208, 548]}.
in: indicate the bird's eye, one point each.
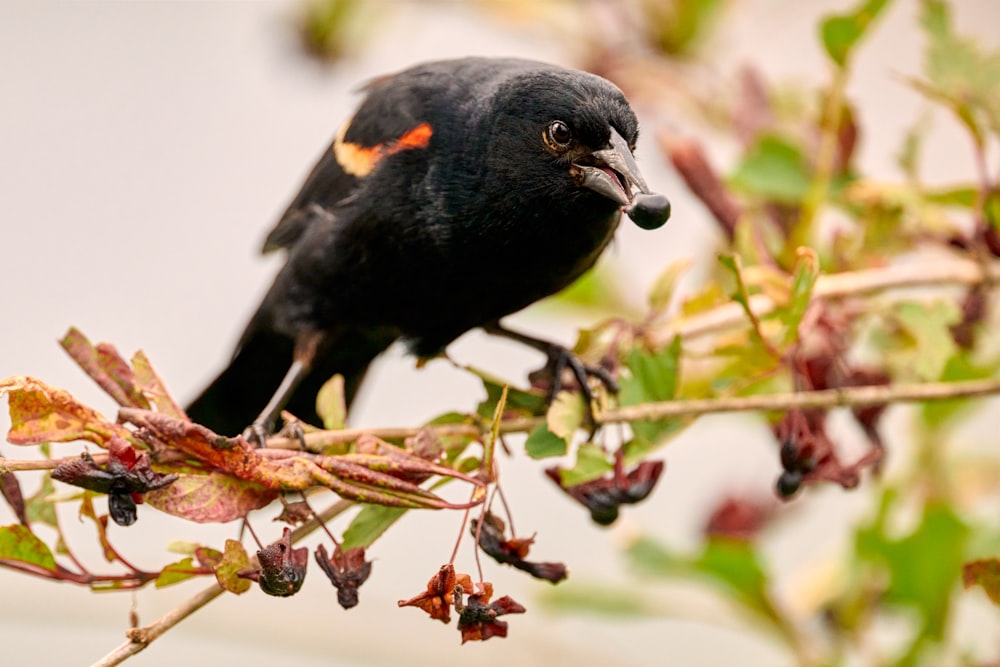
{"type": "Point", "coordinates": [558, 135]}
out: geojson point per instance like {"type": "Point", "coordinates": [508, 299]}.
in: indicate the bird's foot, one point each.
{"type": "Point", "coordinates": [293, 431]}
{"type": "Point", "coordinates": [256, 434]}
{"type": "Point", "coordinates": [561, 359]}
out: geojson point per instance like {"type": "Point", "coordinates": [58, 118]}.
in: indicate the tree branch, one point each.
{"type": "Point", "coordinates": [944, 271]}
{"type": "Point", "coordinates": [140, 638]}
{"type": "Point", "coordinates": [828, 398]}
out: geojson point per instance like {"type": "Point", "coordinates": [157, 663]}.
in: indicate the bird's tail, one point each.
{"type": "Point", "coordinates": [236, 397]}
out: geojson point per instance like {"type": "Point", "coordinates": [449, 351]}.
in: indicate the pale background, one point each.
{"type": "Point", "coordinates": [146, 148]}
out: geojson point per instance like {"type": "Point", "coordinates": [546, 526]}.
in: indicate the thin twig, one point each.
{"type": "Point", "coordinates": [829, 398]}
{"type": "Point", "coordinates": [140, 638]}
{"type": "Point", "coordinates": [944, 271]}
{"type": "Point", "coordinates": [824, 399]}
{"type": "Point", "coordinates": [16, 465]}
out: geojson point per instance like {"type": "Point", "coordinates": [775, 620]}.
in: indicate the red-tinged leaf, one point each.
{"type": "Point", "coordinates": [177, 572]}
{"type": "Point", "coordinates": [234, 561]}
{"type": "Point", "coordinates": [106, 367]}
{"type": "Point", "coordinates": [210, 498]}
{"type": "Point", "coordinates": [984, 573]}
{"type": "Point", "coordinates": [153, 388]}
{"type": "Point", "coordinates": [740, 518]}
{"type": "Point", "coordinates": [10, 488]}
{"type": "Point", "coordinates": [18, 543]}
{"type": "Point", "coordinates": [208, 557]}
{"type": "Point", "coordinates": [87, 510]}
{"type": "Point", "coordinates": [41, 413]}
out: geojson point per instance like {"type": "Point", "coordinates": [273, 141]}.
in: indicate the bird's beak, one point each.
{"type": "Point", "coordinates": [613, 173]}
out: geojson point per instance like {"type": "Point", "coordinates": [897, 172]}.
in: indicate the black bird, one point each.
{"type": "Point", "coordinates": [461, 191]}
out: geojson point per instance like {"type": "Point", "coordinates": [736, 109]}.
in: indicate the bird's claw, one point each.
{"type": "Point", "coordinates": [561, 358]}
{"type": "Point", "coordinates": [256, 434]}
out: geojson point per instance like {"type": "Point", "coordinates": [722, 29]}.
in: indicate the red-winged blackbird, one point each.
{"type": "Point", "coordinates": [461, 191]}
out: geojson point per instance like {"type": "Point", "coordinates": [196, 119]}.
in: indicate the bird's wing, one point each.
{"type": "Point", "coordinates": [390, 119]}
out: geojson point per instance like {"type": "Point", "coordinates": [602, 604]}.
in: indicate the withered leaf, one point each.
{"type": "Point", "coordinates": [10, 488]}
{"type": "Point", "coordinates": [603, 496]}
{"type": "Point", "coordinates": [124, 479]}
{"type": "Point", "coordinates": [234, 561]}
{"type": "Point", "coordinates": [477, 619]}
{"type": "Point", "coordinates": [295, 513]}
{"type": "Point", "coordinates": [513, 551]}
{"type": "Point", "coordinates": [439, 596]}
{"type": "Point", "coordinates": [41, 413]}
{"type": "Point", "coordinates": [347, 570]}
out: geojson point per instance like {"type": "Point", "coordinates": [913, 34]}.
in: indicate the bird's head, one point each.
{"type": "Point", "coordinates": [575, 136]}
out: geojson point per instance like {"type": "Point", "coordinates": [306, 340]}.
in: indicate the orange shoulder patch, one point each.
{"type": "Point", "coordinates": [360, 160]}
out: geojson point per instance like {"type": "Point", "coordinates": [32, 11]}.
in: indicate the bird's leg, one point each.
{"type": "Point", "coordinates": [258, 431]}
{"type": "Point", "coordinates": [302, 359]}
{"type": "Point", "coordinates": [559, 359]}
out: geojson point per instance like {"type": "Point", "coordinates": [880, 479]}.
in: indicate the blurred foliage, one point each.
{"type": "Point", "coordinates": [795, 183]}
{"type": "Point", "coordinates": [792, 208]}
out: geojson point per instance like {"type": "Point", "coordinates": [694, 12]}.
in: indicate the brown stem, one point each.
{"type": "Point", "coordinates": [140, 638]}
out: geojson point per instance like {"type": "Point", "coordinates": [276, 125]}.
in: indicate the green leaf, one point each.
{"type": "Point", "coordinates": [591, 462]}
{"type": "Point", "coordinates": [736, 565]}
{"type": "Point", "coordinates": [922, 567]}
{"type": "Point", "coordinates": [958, 367]}
{"type": "Point", "coordinates": [234, 561]}
{"type": "Point", "coordinates": [652, 558]}
{"type": "Point", "coordinates": [596, 289]}
{"type": "Point", "coordinates": [803, 280]}
{"type": "Point", "coordinates": [39, 507]}
{"type": "Point", "coordinates": [651, 377]}
{"type": "Point", "coordinates": [331, 406]}
{"type": "Point", "coordinates": [679, 26]}
{"type": "Point", "coordinates": [543, 443]}
{"type": "Point", "coordinates": [963, 197]}
{"type": "Point", "coordinates": [566, 414]}
{"type": "Point", "coordinates": [662, 291]}
{"type": "Point", "coordinates": [600, 599]}
{"type": "Point", "coordinates": [369, 524]}
{"type": "Point", "coordinates": [841, 32]}
{"type": "Point", "coordinates": [959, 73]}
{"type": "Point", "coordinates": [527, 403]}
{"type": "Point", "coordinates": [929, 326]}
{"type": "Point", "coordinates": [731, 564]}
{"type": "Point", "coordinates": [18, 543]}
{"type": "Point", "coordinates": [773, 168]}
{"type": "Point", "coordinates": [177, 572]}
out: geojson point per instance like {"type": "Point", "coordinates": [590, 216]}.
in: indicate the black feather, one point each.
{"type": "Point", "coordinates": [435, 240]}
